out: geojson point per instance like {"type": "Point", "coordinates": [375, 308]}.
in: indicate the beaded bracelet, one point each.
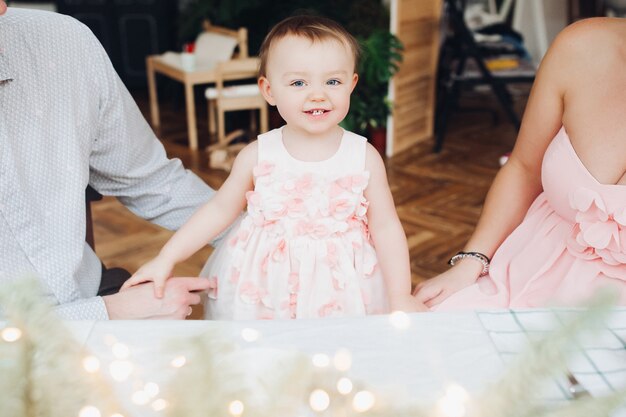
{"type": "Point", "coordinates": [483, 259]}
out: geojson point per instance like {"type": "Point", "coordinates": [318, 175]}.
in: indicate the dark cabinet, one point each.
{"type": "Point", "coordinates": [129, 30]}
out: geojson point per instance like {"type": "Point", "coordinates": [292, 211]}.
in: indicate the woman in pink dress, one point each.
{"type": "Point", "coordinates": [555, 217]}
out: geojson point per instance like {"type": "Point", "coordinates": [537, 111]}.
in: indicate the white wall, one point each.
{"type": "Point", "coordinates": [539, 22]}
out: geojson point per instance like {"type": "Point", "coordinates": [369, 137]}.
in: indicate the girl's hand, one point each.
{"type": "Point", "coordinates": [157, 270]}
{"type": "Point", "coordinates": [408, 304]}
{"type": "Point", "coordinates": [437, 289]}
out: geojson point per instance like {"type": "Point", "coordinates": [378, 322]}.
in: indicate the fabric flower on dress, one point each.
{"type": "Point", "coordinates": [341, 208]}
{"type": "Point", "coordinates": [598, 234]}
{"type": "Point", "coordinates": [252, 294]}
{"type": "Point", "coordinates": [263, 168]}
{"type": "Point", "coordinates": [330, 309]}
{"type": "Point", "coordinates": [300, 187]}
{"type": "Point", "coordinates": [355, 183]}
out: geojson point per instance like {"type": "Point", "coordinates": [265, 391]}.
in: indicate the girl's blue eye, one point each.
{"type": "Point", "coordinates": [298, 83]}
{"type": "Point", "coordinates": [333, 82]}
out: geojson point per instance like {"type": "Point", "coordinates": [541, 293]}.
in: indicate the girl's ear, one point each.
{"type": "Point", "coordinates": [266, 90]}
{"type": "Point", "coordinates": [355, 79]}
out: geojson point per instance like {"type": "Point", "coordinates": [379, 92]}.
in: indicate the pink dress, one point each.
{"type": "Point", "coordinates": [571, 242]}
{"type": "Point", "coordinates": [302, 249]}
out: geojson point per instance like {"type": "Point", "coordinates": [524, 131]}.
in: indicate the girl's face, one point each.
{"type": "Point", "coordinates": [310, 83]}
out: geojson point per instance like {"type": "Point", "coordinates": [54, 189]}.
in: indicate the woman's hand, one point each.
{"type": "Point", "coordinates": [437, 289]}
{"type": "Point", "coordinates": [157, 270]}
{"type": "Point", "coordinates": [408, 304]}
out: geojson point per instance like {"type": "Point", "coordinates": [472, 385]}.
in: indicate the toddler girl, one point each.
{"type": "Point", "coordinates": [321, 236]}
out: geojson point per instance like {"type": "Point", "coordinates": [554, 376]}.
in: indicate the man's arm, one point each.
{"type": "Point", "coordinates": [128, 161]}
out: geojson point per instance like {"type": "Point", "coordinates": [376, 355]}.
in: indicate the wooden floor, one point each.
{"type": "Point", "coordinates": [438, 196]}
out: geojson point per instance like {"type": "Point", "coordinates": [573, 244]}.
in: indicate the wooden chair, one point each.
{"type": "Point", "coordinates": [223, 98]}
{"type": "Point", "coordinates": [464, 62]}
{"type": "Point", "coordinates": [218, 43]}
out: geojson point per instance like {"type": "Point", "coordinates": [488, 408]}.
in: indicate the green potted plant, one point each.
{"type": "Point", "coordinates": [369, 106]}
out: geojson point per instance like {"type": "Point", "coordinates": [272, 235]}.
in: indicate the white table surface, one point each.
{"type": "Point", "coordinates": [470, 349]}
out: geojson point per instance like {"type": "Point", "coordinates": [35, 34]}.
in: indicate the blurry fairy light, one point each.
{"type": "Point", "coordinates": [109, 339]}
{"type": "Point", "coordinates": [400, 320]}
{"type": "Point", "coordinates": [152, 389]}
{"type": "Point", "coordinates": [342, 359]}
{"type": "Point", "coordinates": [457, 393]}
{"type": "Point", "coordinates": [91, 364]}
{"type": "Point", "coordinates": [236, 408]}
{"type": "Point", "coordinates": [250, 335]}
{"type": "Point", "coordinates": [120, 370]}
{"type": "Point", "coordinates": [363, 401]}
{"type": "Point", "coordinates": [319, 400]}
{"type": "Point", "coordinates": [120, 351]}
{"type": "Point", "coordinates": [179, 361]}
{"type": "Point", "coordinates": [89, 411]}
{"type": "Point", "coordinates": [449, 408]}
{"type": "Point", "coordinates": [453, 402]}
{"type": "Point", "coordinates": [117, 415]}
{"type": "Point", "coordinates": [11, 334]}
{"type": "Point", "coordinates": [344, 386]}
{"type": "Point", "coordinates": [140, 397]}
{"type": "Point", "coordinates": [159, 404]}
{"type": "Point", "coordinates": [321, 360]}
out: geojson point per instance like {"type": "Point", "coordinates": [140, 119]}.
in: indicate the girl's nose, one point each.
{"type": "Point", "coordinates": [317, 95]}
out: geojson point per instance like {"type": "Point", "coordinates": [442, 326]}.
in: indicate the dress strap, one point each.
{"type": "Point", "coordinates": [353, 152]}
{"type": "Point", "coordinates": [269, 145]}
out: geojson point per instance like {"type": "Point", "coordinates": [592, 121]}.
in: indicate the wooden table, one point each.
{"type": "Point", "coordinates": [169, 64]}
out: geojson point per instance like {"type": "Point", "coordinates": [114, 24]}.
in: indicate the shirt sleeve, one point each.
{"type": "Point", "coordinates": [129, 162]}
{"type": "Point", "coordinates": [92, 308]}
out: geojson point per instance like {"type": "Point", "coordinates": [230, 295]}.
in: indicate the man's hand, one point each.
{"type": "Point", "coordinates": [139, 302]}
{"type": "Point", "coordinates": [157, 270]}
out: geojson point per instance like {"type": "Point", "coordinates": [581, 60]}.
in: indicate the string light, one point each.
{"type": "Point", "coordinates": [91, 364]}
{"type": "Point", "coordinates": [319, 400]}
{"type": "Point", "coordinates": [179, 361]}
{"type": "Point", "coordinates": [250, 335]}
{"type": "Point", "coordinates": [453, 402]}
{"type": "Point", "coordinates": [342, 360]}
{"type": "Point", "coordinates": [109, 339]}
{"type": "Point", "coordinates": [321, 360]}
{"type": "Point", "coordinates": [120, 350]}
{"type": "Point", "coordinates": [363, 401]}
{"type": "Point", "coordinates": [159, 404]}
{"type": "Point", "coordinates": [89, 411]}
{"type": "Point", "coordinates": [152, 389]}
{"type": "Point", "coordinates": [344, 386]}
{"type": "Point", "coordinates": [120, 370]}
{"type": "Point", "coordinates": [236, 408]}
{"type": "Point", "coordinates": [140, 397]}
{"type": "Point", "coordinates": [400, 320]}
{"type": "Point", "coordinates": [11, 334]}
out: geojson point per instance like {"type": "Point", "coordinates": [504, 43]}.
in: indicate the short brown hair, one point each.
{"type": "Point", "coordinates": [314, 28]}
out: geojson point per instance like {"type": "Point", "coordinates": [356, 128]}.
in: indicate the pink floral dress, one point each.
{"type": "Point", "coordinates": [571, 242]}
{"type": "Point", "coordinates": [302, 250]}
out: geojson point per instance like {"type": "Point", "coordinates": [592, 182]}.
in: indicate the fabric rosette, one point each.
{"type": "Point", "coordinates": [598, 234]}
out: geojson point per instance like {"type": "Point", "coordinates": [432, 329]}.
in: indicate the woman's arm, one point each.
{"type": "Point", "coordinates": [519, 182]}
{"type": "Point", "coordinates": [388, 236]}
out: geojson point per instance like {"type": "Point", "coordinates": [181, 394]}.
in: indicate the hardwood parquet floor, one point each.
{"type": "Point", "coordinates": [438, 196]}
